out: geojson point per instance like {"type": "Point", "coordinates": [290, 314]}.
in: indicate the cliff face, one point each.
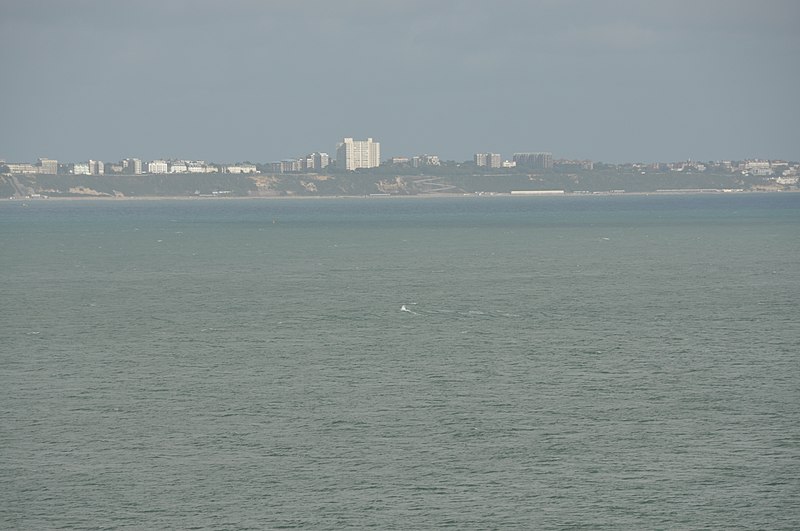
{"type": "Point", "coordinates": [364, 183]}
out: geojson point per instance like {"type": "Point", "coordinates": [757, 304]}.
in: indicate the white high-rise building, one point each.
{"type": "Point", "coordinates": [97, 167]}
{"type": "Point", "coordinates": [354, 154]}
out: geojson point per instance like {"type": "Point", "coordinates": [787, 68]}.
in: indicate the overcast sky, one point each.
{"type": "Point", "coordinates": [236, 80]}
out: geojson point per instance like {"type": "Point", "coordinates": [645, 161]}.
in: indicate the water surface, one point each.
{"type": "Point", "coordinates": [596, 362]}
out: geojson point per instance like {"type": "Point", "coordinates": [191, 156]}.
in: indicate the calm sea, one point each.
{"type": "Point", "coordinates": [473, 363]}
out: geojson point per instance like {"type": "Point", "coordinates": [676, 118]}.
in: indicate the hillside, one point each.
{"type": "Point", "coordinates": [367, 182]}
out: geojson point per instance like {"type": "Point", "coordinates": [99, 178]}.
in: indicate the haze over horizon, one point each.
{"type": "Point", "coordinates": [612, 80]}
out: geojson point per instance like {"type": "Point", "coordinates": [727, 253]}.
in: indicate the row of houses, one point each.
{"type": "Point", "coordinates": [131, 166]}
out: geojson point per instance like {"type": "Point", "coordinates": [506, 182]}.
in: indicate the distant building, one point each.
{"type": "Point", "coordinates": [758, 167]}
{"type": "Point", "coordinates": [157, 166]}
{"type": "Point", "coordinates": [306, 163]}
{"type": "Point", "coordinates": [538, 160]}
{"type": "Point", "coordinates": [311, 162]}
{"type": "Point", "coordinates": [178, 166]}
{"type": "Point", "coordinates": [48, 166]}
{"type": "Point", "coordinates": [96, 167]}
{"type": "Point", "coordinates": [198, 166]}
{"type": "Point", "coordinates": [425, 160]}
{"type": "Point", "coordinates": [354, 154]}
{"type": "Point", "coordinates": [240, 168]}
{"type": "Point", "coordinates": [586, 165]}
{"type": "Point", "coordinates": [786, 180]}
{"type": "Point", "coordinates": [21, 167]}
{"type": "Point", "coordinates": [321, 160]}
{"type": "Point", "coordinates": [487, 160]}
{"type": "Point", "coordinates": [81, 168]}
{"type": "Point", "coordinates": [132, 166]}
{"type": "Point", "coordinates": [291, 165]}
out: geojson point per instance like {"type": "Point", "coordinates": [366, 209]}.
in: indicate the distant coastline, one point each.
{"type": "Point", "coordinates": [383, 183]}
{"type": "Point", "coordinates": [376, 197]}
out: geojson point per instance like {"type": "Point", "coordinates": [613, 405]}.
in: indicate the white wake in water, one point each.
{"type": "Point", "coordinates": [404, 308]}
{"type": "Point", "coordinates": [469, 313]}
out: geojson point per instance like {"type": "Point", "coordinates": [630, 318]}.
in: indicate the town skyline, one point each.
{"type": "Point", "coordinates": [353, 154]}
{"type": "Point", "coordinates": [320, 160]}
{"type": "Point", "coordinates": [613, 80]}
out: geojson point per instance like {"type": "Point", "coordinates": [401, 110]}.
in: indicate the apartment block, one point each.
{"type": "Point", "coordinates": [354, 154]}
{"type": "Point", "coordinates": [538, 160]}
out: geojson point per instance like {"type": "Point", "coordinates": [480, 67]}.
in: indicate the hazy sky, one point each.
{"type": "Point", "coordinates": [235, 80]}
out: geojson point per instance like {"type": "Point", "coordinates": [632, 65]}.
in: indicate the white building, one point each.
{"type": "Point", "coordinates": [81, 168]}
{"type": "Point", "coordinates": [787, 179]}
{"type": "Point", "coordinates": [23, 167]}
{"type": "Point", "coordinates": [97, 167]}
{"type": "Point", "coordinates": [197, 166]}
{"type": "Point", "coordinates": [425, 160]}
{"type": "Point", "coordinates": [354, 154]}
{"type": "Point", "coordinates": [157, 166]}
{"type": "Point", "coordinates": [758, 167]}
{"type": "Point", "coordinates": [241, 168]}
{"type": "Point", "coordinates": [178, 166]}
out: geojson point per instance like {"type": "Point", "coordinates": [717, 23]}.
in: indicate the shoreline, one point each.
{"type": "Point", "coordinates": [477, 195]}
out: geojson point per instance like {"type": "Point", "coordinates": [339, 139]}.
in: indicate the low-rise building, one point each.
{"type": "Point", "coordinates": [197, 166]}
{"type": "Point", "coordinates": [178, 166]}
{"type": "Point", "coordinates": [425, 160]}
{"type": "Point", "coordinates": [23, 167]}
{"type": "Point", "coordinates": [758, 167]}
{"type": "Point", "coordinates": [240, 168]}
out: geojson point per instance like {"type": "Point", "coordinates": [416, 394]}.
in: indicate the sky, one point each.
{"type": "Point", "coordinates": [261, 81]}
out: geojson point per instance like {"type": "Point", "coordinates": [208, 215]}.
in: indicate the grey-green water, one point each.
{"type": "Point", "coordinates": [601, 362]}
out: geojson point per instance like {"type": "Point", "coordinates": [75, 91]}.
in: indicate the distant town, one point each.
{"type": "Point", "coordinates": [358, 170]}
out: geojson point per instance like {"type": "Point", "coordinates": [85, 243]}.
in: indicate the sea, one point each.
{"type": "Point", "coordinates": [597, 362]}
